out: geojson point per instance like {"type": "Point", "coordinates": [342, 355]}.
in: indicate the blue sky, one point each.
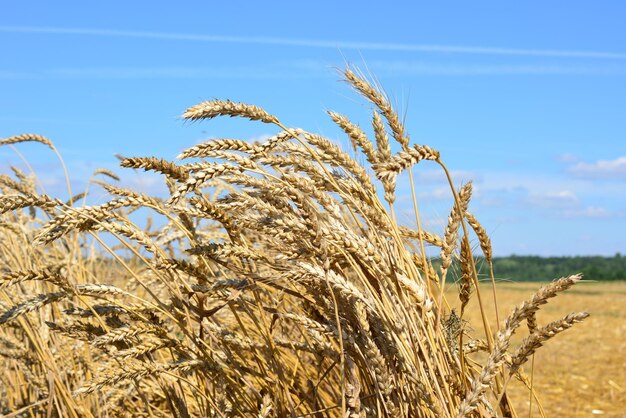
{"type": "Point", "coordinates": [526, 99]}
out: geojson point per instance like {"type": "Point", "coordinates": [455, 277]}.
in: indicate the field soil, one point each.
{"type": "Point", "coordinates": [581, 372]}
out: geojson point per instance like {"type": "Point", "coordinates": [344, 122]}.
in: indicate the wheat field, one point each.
{"type": "Point", "coordinates": [274, 280]}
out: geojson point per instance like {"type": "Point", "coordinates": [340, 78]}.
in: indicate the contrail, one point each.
{"type": "Point", "coordinates": [313, 43]}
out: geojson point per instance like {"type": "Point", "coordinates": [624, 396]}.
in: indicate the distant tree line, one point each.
{"type": "Point", "coordinates": [548, 268]}
{"type": "Point", "coordinates": [536, 268]}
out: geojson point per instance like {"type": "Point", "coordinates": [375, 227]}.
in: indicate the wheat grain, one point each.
{"type": "Point", "coordinates": [382, 103]}
{"type": "Point", "coordinates": [213, 108]}
{"type": "Point", "coordinates": [107, 173]}
{"type": "Point", "coordinates": [450, 239]}
{"type": "Point", "coordinates": [205, 149]}
{"type": "Point", "coordinates": [157, 164]}
{"type": "Point", "coordinates": [12, 202]}
{"type": "Point", "coordinates": [356, 135]}
{"type": "Point", "coordinates": [465, 287]}
{"type": "Point", "coordinates": [16, 139]}
{"type": "Point", "coordinates": [538, 337]}
{"type": "Point", "coordinates": [483, 238]}
{"type": "Point", "coordinates": [31, 305]}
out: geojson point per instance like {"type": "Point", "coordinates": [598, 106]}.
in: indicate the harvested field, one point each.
{"type": "Point", "coordinates": [579, 372]}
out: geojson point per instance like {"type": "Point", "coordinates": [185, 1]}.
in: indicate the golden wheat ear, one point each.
{"type": "Point", "coordinates": [16, 139]}
{"type": "Point", "coordinates": [213, 108]}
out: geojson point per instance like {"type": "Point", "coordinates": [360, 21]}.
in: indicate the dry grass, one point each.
{"type": "Point", "coordinates": [275, 282]}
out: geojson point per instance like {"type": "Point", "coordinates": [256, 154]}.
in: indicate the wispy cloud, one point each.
{"type": "Point", "coordinates": [143, 73]}
{"type": "Point", "coordinates": [523, 198]}
{"type": "Point", "coordinates": [567, 158]}
{"type": "Point", "coordinates": [552, 200]}
{"type": "Point", "coordinates": [434, 176]}
{"type": "Point", "coordinates": [418, 68]}
{"type": "Point", "coordinates": [510, 196]}
{"type": "Point", "coordinates": [436, 193]}
{"type": "Point", "coordinates": [294, 71]}
{"type": "Point", "coordinates": [306, 69]}
{"type": "Point", "coordinates": [593, 212]}
{"type": "Point", "coordinates": [413, 68]}
{"type": "Point", "coordinates": [317, 43]}
{"type": "Point", "coordinates": [602, 169]}
{"type": "Point", "coordinates": [150, 185]}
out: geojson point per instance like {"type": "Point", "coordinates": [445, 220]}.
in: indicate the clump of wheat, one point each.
{"type": "Point", "coordinates": [278, 284]}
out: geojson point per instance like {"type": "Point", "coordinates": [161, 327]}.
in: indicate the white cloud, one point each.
{"type": "Point", "coordinates": [418, 68]}
{"type": "Point", "coordinates": [438, 176]}
{"type": "Point", "coordinates": [168, 72]}
{"type": "Point", "coordinates": [550, 200]}
{"type": "Point", "coordinates": [588, 212]}
{"type": "Point", "coordinates": [602, 169]}
{"type": "Point", "coordinates": [309, 69]}
{"type": "Point", "coordinates": [503, 196]}
{"type": "Point", "coordinates": [297, 70]}
{"type": "Point", "coordinates": [567, 158]}
{"type": "Point", "coordinates": [411, 68]}
{"type": "Point", "coordinates": [123, 73]}
{"type": "Point", "coordinates": [316, 43]}
{"type": "Point", "coordinates": [437, 193]}
{"type": "Point", "coordinates": [148, 183]}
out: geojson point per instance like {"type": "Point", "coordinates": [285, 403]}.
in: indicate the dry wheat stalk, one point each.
{"type": "Point", "coordinates": [113, 375]}
{"type": "Point", "coordinates": [75, 198]}
{"type": "Point", "coordinates": [465, 286]}
{"type": "Point", "coordinates": [107, 173]}
{"type": "Point", "coordinates": [123, 333]}
{"type": "Point", "coordinates": [144, 348]}
{"type": "Point", "coordinates": [87, 216]}
{"type": "Point", "coordinates": [475, 346]}
{"type": "Point", "coordinates": [12, 202]}
{"type": "Point", "coordinates": [405, 159]}
{"type": "Point", "coordinates": [383, 152]}
{"type": "Point", "coordinates": [483, 238]}
{"type": "Point", "coordinates": [497, 356]}
{"type": "Point", "coordinates": [31, 305]}
{"type": "Point", "coordinates": [277, 140]}
{"type": "Point", "coordinates": [426, 236]}
{"type": "Point", "coordinates": [51, 275]}
{"type": "Point", "coordinates": [213, 108]}
{"type": "Point", "coordinates": [27, 138]}
{"type": "Point", "coordinates": [304, 297]}
{"type": "Point", "coordinates": [199, 178]}
{"type": "Point", "coordinates": [22, 177]}
{"type": "Point", "coordinates": [537, 338]}
{"type": "Point", "coordinates": [7, 182]}
{"type": "Point", "coordinates": [378, 99]}
{"type": "Point", "coordinates": [450, 239]}
{"type": "Point", "coordinates": [156, 164]}
{"type": "Point", "coordinates": [266, 407]}
{"type": "Point", "coordinates": [388, 170]}
{"type": "Point", "coordinates": [337, 157]}
{"type": "Point", "coordinates": [356, 135]}
{"type": "Point", "coordinates": [204, 149]}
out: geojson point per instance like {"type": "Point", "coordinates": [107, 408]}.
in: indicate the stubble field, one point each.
{"type": "Point", "coordinates": [583, 371]}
